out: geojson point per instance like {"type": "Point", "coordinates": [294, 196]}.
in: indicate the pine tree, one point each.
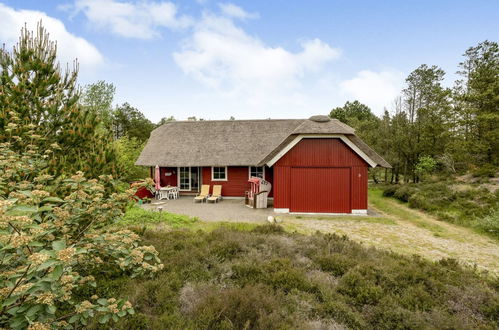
{"type": "Point", "coordinates": [477, 97]}
{"type": "Point", "coordinates": [36, 96]}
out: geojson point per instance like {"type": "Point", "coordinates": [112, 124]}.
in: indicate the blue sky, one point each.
{"type": "Point", "coordinates": [255, 59]}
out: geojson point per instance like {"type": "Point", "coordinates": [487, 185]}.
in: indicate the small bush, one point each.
{"type": "Point", "coordinates": [249, 307]}
{"type": "Point", "coordinates": [489, 223]}
{"type": "Point", "coordinates": [337, 264]}
{"type": "Point", "coordinates": [390, 191]}
{"type": "Point", "coordinates": [269, 229]}
{"type": "Point", "coordinates": [485, 171]}
{"type": "Point", "coordinates": [360, 288]}
{"type": "Point", "coordinates": [404, 193]}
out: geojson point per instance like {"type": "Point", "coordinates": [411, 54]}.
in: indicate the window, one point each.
{"type": "Point", "coordinates": [219, 173]}
{"type": "Point", "coordinates": [258, 171]}
{"type": "Point", "coordinates": [184, 178]}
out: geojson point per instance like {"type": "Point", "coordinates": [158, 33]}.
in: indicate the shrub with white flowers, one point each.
{"type": "Point", "coordinates": [52, 232]}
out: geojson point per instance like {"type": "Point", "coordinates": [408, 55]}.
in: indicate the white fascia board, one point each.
{"type": "Point", "coordinates": [342, 137]}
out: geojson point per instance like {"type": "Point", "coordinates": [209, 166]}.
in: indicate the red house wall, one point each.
{"type": "Point", "coordinates": [168, 180]}
{"type": "Point", "coordinates": [237, 180]}
{"type": "Point", "coordinates": [321, 153]}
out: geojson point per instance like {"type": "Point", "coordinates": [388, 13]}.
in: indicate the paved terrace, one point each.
{"type": "Point", "coordinates": [231, 210]}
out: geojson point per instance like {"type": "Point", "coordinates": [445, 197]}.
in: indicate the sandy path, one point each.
{"type": "Point", "coordinates": [410, 232]}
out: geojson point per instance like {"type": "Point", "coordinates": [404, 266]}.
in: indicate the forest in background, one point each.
{"type": "Point", "coordinates": [437, 129]}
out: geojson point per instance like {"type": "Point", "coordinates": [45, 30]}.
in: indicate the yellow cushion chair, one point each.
{"type": "Point", "coordinates": [217, 194]}
{"type": "Point", "coordinates": [205, 192]}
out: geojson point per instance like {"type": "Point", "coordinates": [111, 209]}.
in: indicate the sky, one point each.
{"type": "Point", "coordinates": [254, 59]}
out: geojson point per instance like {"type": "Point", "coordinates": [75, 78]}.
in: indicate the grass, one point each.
{"type": "Point", "coordinates": [137, 216]}
{"type": "Point", "coordinates": [266, 278]}
{"type": "Point", "coordinates": [396, 208]}
{"type": "Point", "coordinates": [469, 205]}
{"type": "Point", "coordinates": [368, 219]}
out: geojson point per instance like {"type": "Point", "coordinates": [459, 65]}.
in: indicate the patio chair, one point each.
{"type": "Point", "coordinates": [173, 193]}
{"type": "Point", "coordinates": [217, 194]}
{"type": "Point", "coordinates": [205, 192]}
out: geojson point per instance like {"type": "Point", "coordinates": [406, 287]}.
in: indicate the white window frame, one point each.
{"type": "Point", "coordinates": [226, 174]}
{"type": "Point", "coordinates": [249, 171]}
{"type": "Point", "coordinates": [178, 178]}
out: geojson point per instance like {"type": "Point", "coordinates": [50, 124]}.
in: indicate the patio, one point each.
{"type": "Point", "coordinates": [230, 210]}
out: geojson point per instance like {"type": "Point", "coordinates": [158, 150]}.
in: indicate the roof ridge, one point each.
{"type": "Point", "coordinates": [231, 120]}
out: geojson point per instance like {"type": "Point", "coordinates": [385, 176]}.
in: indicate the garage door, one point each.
{"type": "Point", "coordinates": [322, 190]}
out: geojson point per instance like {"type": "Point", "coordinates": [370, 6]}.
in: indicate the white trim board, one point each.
{"type": "Point", "coordinates": [226, 174]}
{"type": "Point", "coordinates": [319, 213]}
{"type": "Point", "coordinates": [342, 137]}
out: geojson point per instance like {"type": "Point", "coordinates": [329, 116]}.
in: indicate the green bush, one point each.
{"type": "Point", "coordinates": [389, 191]}
{"type": "Point", "coordinates": [249, 307]}
{"type": "Point", "coordinates": [360, 287]}
{"type": "Point", "coordinates": [337, 264]}
{"type": "Point", "coordinates": [485, 171]}
{"type": "Point", "coordinates": [230, 279]}
{"type": "Point", "coordinates": [489, 223]}
{"type": "Point", "coordinates": [404, 192]}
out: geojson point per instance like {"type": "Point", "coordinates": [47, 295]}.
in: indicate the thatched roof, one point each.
{"type": "Point", "coordinates": [233, 142]}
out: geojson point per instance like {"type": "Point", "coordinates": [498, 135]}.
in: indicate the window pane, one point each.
{"type": "Point", "coordinates": [219, 173]}
{"type": "Point", "coordinates": [256, 171]}
{"type": "Point", "coordinates": [184, 178]}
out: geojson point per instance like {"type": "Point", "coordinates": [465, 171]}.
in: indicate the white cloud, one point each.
{"type": "Point", "coordinates": [139, 20]}
{"type": "Point", "coordinates": [231, 10]}
{"type": "Point", "coordinates": [376, 89]}
{"type": "Point", "coordinates": [69, 46]}
{"type": "Point", "coordinates": [235, 64]}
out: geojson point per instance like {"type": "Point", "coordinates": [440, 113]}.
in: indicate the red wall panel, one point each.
{"type": "Point", "coordinates": [321, 153]}
{"type": "Point", "coordinates": [170, 180]}
{"type": "Point", "coordinates": [237, 183]}
{"type": "Point", "coordinates": [320, 189]}
{"type": "Point", "coordinates": [281, 186]}
{"type": "Point", "coordinates": [359, 188]}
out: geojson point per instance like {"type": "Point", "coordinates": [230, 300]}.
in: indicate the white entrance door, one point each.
{"type": "Point", "coordinates": [184, 178]}
{"type": "Point", "coordinates": [188, 178]}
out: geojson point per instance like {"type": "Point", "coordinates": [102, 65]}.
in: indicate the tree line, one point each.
{"type": "Point", "coordinates": [432, 127]}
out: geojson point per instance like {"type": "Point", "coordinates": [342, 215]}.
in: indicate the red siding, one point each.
{"type": "Point", "coordinates": [325, 189]}
{"type": "Point", "coordinates": [316, 154]}
{"type": "Point", "coordinates": [237, 180]}
{"type": "Point", "coordinates": [170, 180]}
{"type": "Point", "coordinates": [321, 153]}
{"type": "Point", "coordinates": [281, 187]}
{"type": "Point", "coordinates": [359, 188]}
